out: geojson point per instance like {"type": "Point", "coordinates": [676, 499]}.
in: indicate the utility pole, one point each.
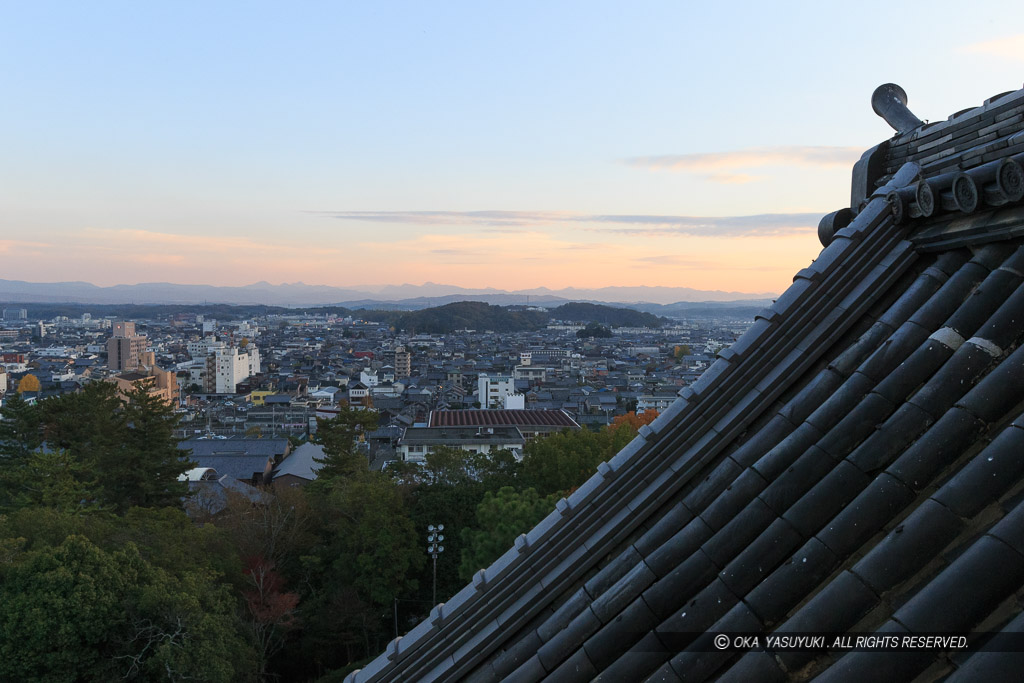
{"type": "Point", "coordinates": [434, 538]}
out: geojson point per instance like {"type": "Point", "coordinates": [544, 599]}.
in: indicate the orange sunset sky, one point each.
{"type": "Point", "coordinates": [571, 144]}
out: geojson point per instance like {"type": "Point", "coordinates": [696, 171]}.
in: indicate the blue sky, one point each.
{"type": "Point", "coordinates": [515, 146]}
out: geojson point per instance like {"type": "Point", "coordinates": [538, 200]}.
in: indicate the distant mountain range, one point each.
{"type": "Point", "coordinates": [406, 296]}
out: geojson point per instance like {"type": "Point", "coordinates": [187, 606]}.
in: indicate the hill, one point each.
{"type": "Point", "coordinates": [606, 315]}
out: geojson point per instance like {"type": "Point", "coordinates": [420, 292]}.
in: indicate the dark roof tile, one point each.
{"type": "Point", "coordinates": [569, 610]}
{"type": "Point", "coordinates": [787, 586]}
{"type": "Point", "coordinates": [842, 439]}
{"type": "Point", "coordinates": [623, 592]}
{"type": "Point", "coordinates": [736, 497]}
{"type": "Point", "coordinates": [965, 592]}
{"type": "Point", "coordinates": [1010, 529]}
{"type": "Point", "coordinates": [515, 656]}
{"type": "Point", "coordinates": [712, 485]}
{"type": "Point", "coordinates": [665, 527]}
{"type": "Point", "coordinates": [937, 448]}
{"type": "Point", "coordinates": [768, 436]}
{"type": "Point", "coordinates": [904, 550]}
{"type": "Point", "coordinates": [987, 476]}
{"type": "Point", "coordinates": [615, 638]}
{"type": "Point", "coordinates": [759, 558]}
{"type": "Point", "coordinates": [829, 496]}
{"type": "Point", "coordinates": [839, 605]}
{"type": "Point", "coordinates": [702, 659]}
{"type": "Point", "coordinates": [744, 528]}
{"type": "Point", "coordinates": [797, 480]}
{"type": "Point", "coordinates": [1000, 388]}
{"type": "Point", "coordinates": [686, 579]}
{"type": "Point", "coordinates": [678, 548]}
{"type": "Point", "coordinates": [756, 665]}
{"type": "Point", "coordinates": [696, 616]}
{"type": "Point", "coordinates": [569, 639]}
{"type": "Point", "coordinates": [995, 665]}
{"type": "Point", "coordinates": [898, 665]}
{"type": "Point", "coordinates": [828, 413]}
{"type": "Point", "coordinates": [890, 438]}
{"type": "Point", "coordinates": [866, 515]}
{"type": "Point", "coordinates": [778, 459]}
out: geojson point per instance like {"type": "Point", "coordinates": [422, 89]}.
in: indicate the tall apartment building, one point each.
{"type": "Point", "coordinates": [226, 366]}
{"type": "Point", "coordinates": [162, 384]}
{"type": "Point", "coordinates": [125, 348]}
{"type": "Point", "coordinates": [403, 363]}
{"type": "Point", "coordinates": [494, 389]}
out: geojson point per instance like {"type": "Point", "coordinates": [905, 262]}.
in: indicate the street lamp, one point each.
{"type": "Point", "coordinates": [434, 538]}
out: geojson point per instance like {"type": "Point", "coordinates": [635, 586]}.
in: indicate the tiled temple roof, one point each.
{"type": "Point", "coordinates": [853, 463]}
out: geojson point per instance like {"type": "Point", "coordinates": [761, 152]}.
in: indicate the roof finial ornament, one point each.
{"type": "Point", "coordinates": [890, 102]}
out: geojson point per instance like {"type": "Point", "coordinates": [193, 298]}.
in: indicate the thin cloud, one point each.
{"type": "Point", "coordinates": [674, 260]}
{"type": "Point", "coordinates": [1010, 48]}
{"type": "Point", "coordinates": [494, 219]}
{"type": "Point", "coordinates": [713, 164]}
{"type": "Point", "coordinates": [760, 225]}
{"type": "Point", "coordinates": [455, 252]}
{"type": "Point", "coordinates": [731, 178]}
{"type": "Point", "coordinates": [702, 226]}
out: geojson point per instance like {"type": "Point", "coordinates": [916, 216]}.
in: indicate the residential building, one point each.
{"type": "Point", "coordinates": [492, 389]}
{"type": "Point", "coordinates": [403, 363]}
{"type": "Point", "coordinates": [124, 347]}
{"type": "Point", "coordinates": [227, 366]}
{"type": "Point", "coordinates": [417, 442]}
{"type": "Point", "coordinates": [530, 423]}
{"type": "Point", "coordinates": [162, 384]}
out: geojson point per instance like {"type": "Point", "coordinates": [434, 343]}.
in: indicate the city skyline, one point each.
{"type": "Point", "coordinates": [575, 145]}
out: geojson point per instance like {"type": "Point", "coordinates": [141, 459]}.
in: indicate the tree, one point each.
{"type": "Point", "coordinates": [150, 475]}
{"type": "Point", "coordinates": [19, 436]}
{"type": "Point", "coordinates": [85, 613]}
{"type": "Point", "coordinates": [681, 350]}
{"type": "Point", "coordinates": [501, 517]}
{"type": "Point", "coordinates": [594, 330]}
{"type": "Point", "coordinates": [28, 383]}
{"type": "Point", "coordinates": [52, 479]}
{"type": "Point", "coordinates": [367, 554]}
{"type": "Point", "coordinates": [447, 490]}
{"type": "Point", "coordinates": [634, 421]}
{"type": "Point", "coordinates": [338, 436]}
{"type": "Point", "coordinates": [271, 610]}
{"type": "Point", "coordinates": [128, 448]}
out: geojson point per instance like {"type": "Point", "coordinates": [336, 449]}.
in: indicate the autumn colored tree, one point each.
{"type": "Point", "coordinates": [270, 608]}
{"type": "Point", "coordinates": [29, 383]}
{"type": "Point", "coordinates": [634, 421]}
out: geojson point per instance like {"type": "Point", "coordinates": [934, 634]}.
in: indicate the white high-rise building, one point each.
{"type": "Point", "coordinates": [226, 366]}
{"type": "Point", "coordinates": [492, 390]}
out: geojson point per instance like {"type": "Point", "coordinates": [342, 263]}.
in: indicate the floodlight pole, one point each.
{"type": "Point", "coordinates": [434, 548]}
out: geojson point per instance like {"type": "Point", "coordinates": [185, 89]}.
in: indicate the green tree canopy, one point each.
{"type": "Point", "coordinates": [500, 518]}
{"type": "Point", "coordinates": [81, 612]}
{"type": "Point", "coordinates": [126, 446]}
{"type": "Point", "coordinates": [338, 436]}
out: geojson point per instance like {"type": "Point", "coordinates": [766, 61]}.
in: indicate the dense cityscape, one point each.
{"type": "Point", "coordinates": [474, 431]}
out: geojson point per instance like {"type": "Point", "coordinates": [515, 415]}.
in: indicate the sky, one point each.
{"type": "Point", "coordinates": [508, 145]}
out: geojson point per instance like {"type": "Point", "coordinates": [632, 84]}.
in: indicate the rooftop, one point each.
{"type": "Point", "coordinates": [850, 464]}
{"type": "Point", "coordinates": [549, 418]}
